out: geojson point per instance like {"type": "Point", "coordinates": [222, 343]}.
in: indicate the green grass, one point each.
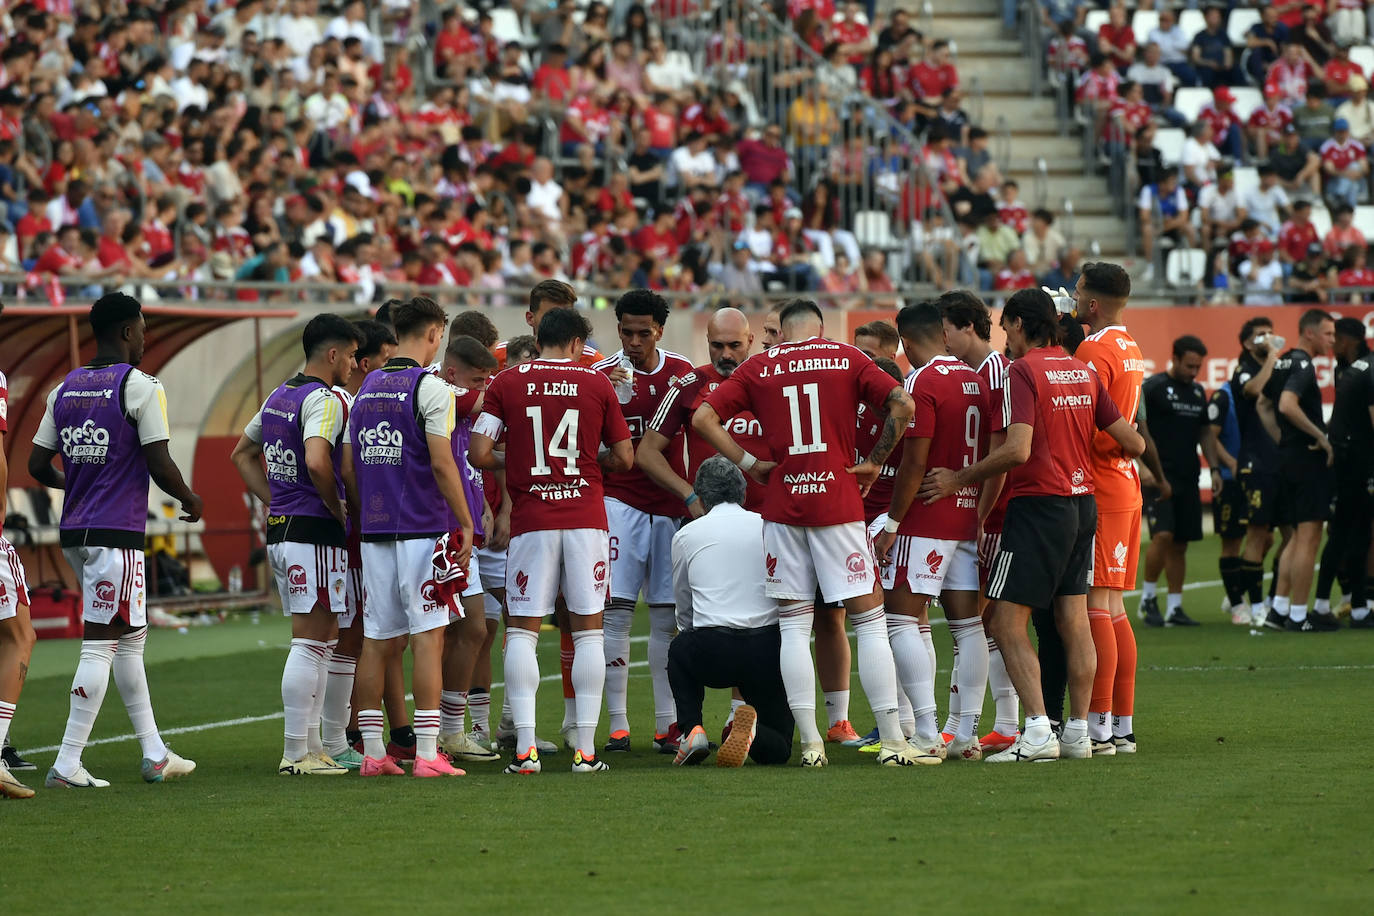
{"type": "Point", "coordinates": [1249, 795]}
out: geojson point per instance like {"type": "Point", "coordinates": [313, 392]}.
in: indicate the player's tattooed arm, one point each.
{"type": "Point", "coordinates": [900, 409]}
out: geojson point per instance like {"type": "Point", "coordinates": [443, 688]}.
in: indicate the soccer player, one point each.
{"type": "Point", "coordinates": [643, 519]}
{"type": "Point", "coordinates": [1258, 458]}
{"type": "Point", "coordinates": [877, 338]}
{"type": "Point", "coordinates": [546, 295]}
{"type": "Point", "coordinates": [772, 327]}
{"type": "Point", "coordinates": [299, 431]}
{"type": "Point", "coordinates": [1046, 549]}
{"type": "Point", "coordinates": [1114, 356]}
{"type": "Point", "coordinates": [109, 423]}
{"type": "Point", "coordinates": [1352, 444]}
{"type": "Point", "coordinates": [804, 392]}
{"type": "Point", "coordinates": [400, 475]}
{"type": "Point", "coordinates": [556, 416]}
{"type": "Point", "coordinates": [933, 551]}
{"type": "Point", "coordinates": [16, 630]}
{"type": "Point", "coordinates": [1176, 405]}
{"type": "Point", "coordinates": [1292, 400]}
{"type": "Point", "coordinates": [968, 336]}
{"type": "Point", "coordinates": [1228, 505]}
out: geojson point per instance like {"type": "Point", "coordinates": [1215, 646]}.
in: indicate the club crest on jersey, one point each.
{"type": "Point", "coordinates": [296, 580]}
{"type": "Point", "coordinates": [104, 596]}
{"type": "Point", "coordinates": [770, 565]}
{"type": "Point", "coordinates": [522, 581]}
{"type": "Point", "coordinates": [933, 561]}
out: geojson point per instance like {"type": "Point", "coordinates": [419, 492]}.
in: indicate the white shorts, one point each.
{"type": "Point", "coordinates": [927, 566]}
{"type": "Point", "coordinates": [111, 584]}
{"type": "Point", "coordinates": [838, 558]}
{"type": "Point", "coordinates": [541, 564]}
{"type": "Point", "coordinates": [493, 568]}
{"type": "Point", "coordinates": [308, 575]}
{"type": "Point", "coordinates": [641, 553]}
{"type": "Point", "coordinates": [354, 596]}
{"type": "Point", "coordinates": [14, 591]}
{"type": "Point", "coordinates": [491, 607]}
{"type": "Point", "coordinates": [395, 574]}
{"type": "Point", "coordinates": [988, 544]}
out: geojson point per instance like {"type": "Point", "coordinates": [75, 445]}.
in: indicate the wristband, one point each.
{"type": "Point", "coordinates": [892, 524]}
{"type": "Point", "coordinates": [746, 462]}
{"type": "Point", "coordinates": [691, 498]}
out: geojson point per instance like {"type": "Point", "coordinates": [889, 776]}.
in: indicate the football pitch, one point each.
{"type": "Point", "coordinates": [1249, 794]}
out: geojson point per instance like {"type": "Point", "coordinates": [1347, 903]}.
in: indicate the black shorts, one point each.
{"type": "Point", "coordinates": [1180, 514]}
{"type": "Point", "coordinates": [1229, 511]}
{"type": "Point", "coordinates": [1352, 500]}
{"type": "Point", "coordinates": [1305, 488]}
{"type": "Point", "coordinates": [1261, 487]}
{"type": "Point", "coordinates": [1046, 551]}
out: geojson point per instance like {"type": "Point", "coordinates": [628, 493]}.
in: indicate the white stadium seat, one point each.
{"type": "Point", "coordinates": [1246, 178]}
{"type": "Point", "coordinates": [1321, 220]}
{"type": "Point", "coordinates": [1095, 20]}
{"type": "Point", "coordinates": [1248, 98]}
{"type": "Point", "coordinates": [1364, 220]}
{"type": "Point", "coordinates": [1169, 142]}
{"type": "Point", "coordinates": [1191, 22]}
{"type": "Point", "coordinates": [1364, 56]}
{"type": "Point", "coordinates": [874, 227]}
{"type": "Point", "coordinates": [1142, 23]}
{"type": "Point", "coordinates": [505, 24]}
{"type": "Point", "coordinates": [1188, 101]}
{"type": "Point", "coordinates": [1185, 266]}
{"type": "Point", "coordinates": [1239, 23]}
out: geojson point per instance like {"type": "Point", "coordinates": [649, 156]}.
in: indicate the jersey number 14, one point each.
{"type": "Point", "coordinates": [562, 444]}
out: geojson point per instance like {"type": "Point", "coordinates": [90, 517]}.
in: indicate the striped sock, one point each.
{"type": "Point", "coordinates": [452, 709]}
{"type": "Point", "coordinates": [479, 705]}
{"type": "Point", "coordinates": [370, 724]}
{"type": "Point", "coordinates": [6, 715]}
{"type": "Point", "coordinates": [426, 725]}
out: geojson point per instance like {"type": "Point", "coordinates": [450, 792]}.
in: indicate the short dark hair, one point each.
{"type": "Point", "coordinates": [555, 291]}
{"type": "Point", "coordinates": [374, 336]}
{"type": "Point", "coordinates": [1036, 311]}
{"type": "Point", "coordinates": [1107, 280]}
{"type": "Point", "coordinates": [517, 347]}
{"type": "Point", "coordinates": [883, 330]}
{"type": "Point", "coordinates": [1071, 332]}
{"type": "Point", "coordinates": [475, 324]}
{"type": "Point", "coordinates": [1351, 327]}
{"type": "Point", "coordinates": [797, 308]}
{"type": "Point", "coordinates": [470, 352]}
{"type": "Point", "coordinates": [1313, 317]}
{"type": "Point", "coordinates": [415, 315]}
{"type": "Point", "coordinates": [642, 302]}
{"type": "Point", "coordinates": [560, 327]}
{"type": "Point", "coordinates": [1189, 344]}
{"type": "Point", "coordinates": [963, 308]}
{"type": "Point", "coordinates": [921, 321]}
{"type": "Point", "coordinates": [111, 312]}
{"type": "Point", "coordinates": [323, 330]}
{"type": "Point", "coordinates": [384, 312]}
{"type": "Point", "coordinates": [890, 367]}
{"type": "Point", "coordinates": [1247, 330]}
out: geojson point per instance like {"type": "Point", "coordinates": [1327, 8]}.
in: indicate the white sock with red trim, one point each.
{"type": "Point", "coordinates": [877, 673]}
{"type": "Point", "coordinates": [971, 678]}
{"type": "Point", "coordinates": [299, 677]}
{"type": "Point", "coordinates": [453, 705]}
{"type": "Point", "coordinates": [338, 699]}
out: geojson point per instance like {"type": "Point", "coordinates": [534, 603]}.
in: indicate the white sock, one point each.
{"type": "Point", "coordinates": [479, 707]}
{"type": "Point", "coordinates": [971, 676]}
{"type": "Point", "coordinates": [1099, 725]}
{"type": "Point", "coordinates": [505, 703]}
{"type": "Point", "coordinates": [1258, 611]}
{"type": "Point", "coordinates": [453, 705]}
{"type": "Point", "coordinates": [1147, 590]}
{"type": "Point", "coordinates": [1003, 693]}
{"type": "Point", "coordinates": [88, 692]}
{"type": "Point", "coordinates": [930, 648]}
{"type": "Point", "coordinates": [1321, 606]}
{"type": "Point", "coordinates": [662, 627]}
{"type": "Point", "coordinates": [1298, 613]}
{"type": "Point", "coordinates": [913, 668]}
{"type": "Point", "coordinates": [1359, 613]}
{"type": "Point", "coordinates": [616, 626]}
{"type": "Point", "coordinates": [1038, 729]}
{"type": "Point", "coordinates": [1175, 601]}
{"type": "Point", "coordinates": [426, 725]}
{"type": "Point", "coordinates": [734, 704]}
{"type": "Point", "coordinates": [1074, 729]}
{"type": "Point", "coordinates": [370, 724]}
{"type": "Point", "coordinates": [1281, 605]}
{"type": "Point", "coordinates": [837, 706]}
{"type": "Point", "coordinates": [1121, 726]}
{"type": "Point", "coordinates": [6, 715]}
{"type": "Point", "coordinates": [952, 715]}
{"type": "Point", "coordinates": [314, 741]}
{"type": "Point", "coordinates": [906, 716]}
{"type": "Point", "coordinates": [1346, 598]}
{"type": "Point", "coordinates": [589, 678]}
{"type": "Point", "coordinates": [798, 672]}
{"type": "Point", "coordinates": [877, 671]}
{"type": "Point", "coordinates": [522, 680]}
{"type": "Point", "coordinates": [338, 697]}
{"type": "Point", "coordinates": [299, 678]}
{"type": "Point", "coordinates": [132, 683]}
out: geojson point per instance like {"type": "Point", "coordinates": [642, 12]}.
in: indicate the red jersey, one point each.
{"type": "Point", "coordinates": [1352, 277]}
{"type": "Point", "coordinates": [1340, 71]}
{"type": "Point", "coordinates": [1288, 82]}
{"type": "Point", "coordinates": [109, 252]}
{"type": "Point", "coordinates": [1014, 279]}
{"type": "Point", "coordinates": [662, 128]}
{"type": "Point", "coordinates": [633, 487]}
{"type": "Point", "coordinates": [1065, 404]}
{"type": "Point", "coordinates": [1014, 215]}
{"type": "Point", "coordinates": [952, 409]}
{"type": "Point", "coordinates": [1220, 119]}
{"type": "Point", "coordinates": [929, 81]}
{"type": "Point", "coordinates": [590, 356]}
{"type": "Point", "coordinates": [993, 370]}
{"type": "Point", "coordinates": [554, 82]}
{"type": "Point", "coordinates": [656, 245]}
{"type": "Point", "coordinates": [879, 496]}
{"type": "Point", "coordinates": [674, 415]}
{"type": "Point", "coordinates": [1093, 86]}
{"type": "Point", "coordinates": [805, 394]}
{"type": "Point", "coordinates": [1116, 358]}
{"type": "Point", "coordinates": [1294, 239]}
{"type": "Point", "coordinates": [1342, 155]}
{"type": "Point", "coordinates": [1271, 120]}
{"type": "Point", "coordinates": [1338, 240]}
{"type": "Point", "coordinates": [1121, 39]}
{"type": "Point", "coordinates": [556, 416]}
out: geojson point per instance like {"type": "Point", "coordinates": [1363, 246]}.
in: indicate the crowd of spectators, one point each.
{"type": "Point", "coordinates": [1301, 146]}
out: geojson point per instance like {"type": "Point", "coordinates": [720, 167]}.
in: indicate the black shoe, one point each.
{"type": "Point", "coordinates": [1275, 621]}
{"type": "Point", "coordinates": [12, 759]}
{"type": "Point", "coordinates": [1362, 623]}
{"type": "Point", "coordinates": [1177, 618]}
{"type": "Point", "coordinates": [1149, 612]}
{"type": "Point", "coordinates": [616, 745]}
{"type": "Point", "coordinates": [1294, 626]}
{"type": "Point", "coordinates": [1321, 623]}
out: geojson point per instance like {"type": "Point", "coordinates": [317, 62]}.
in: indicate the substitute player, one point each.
{"type": "Point", "coordinates": [968, 336]}
{"type": "Point", "coordinates": [933, 551]}
{"type": "Point", "coordinates": [1111, 352]}
{"type": "Point", "coordinates": [299, 431]}
{"type": "Point", "coordinates": [804, 391]}
{"type": "Point", "coordinates": [109, 422]}
{"type": "Point", "coordinates": [399, 470]}
{"type": "Point", "coordinates": [1046, 551]}
{"type": "Point", "coordinates": [16, 630]}
{"type": "Point", "coordinates": [556, 416]}
{"type": "Point", "coordinates": [643, 519]}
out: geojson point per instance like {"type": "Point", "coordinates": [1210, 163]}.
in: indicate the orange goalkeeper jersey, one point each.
{"type": "Point", "coordinates": [1114, 355]}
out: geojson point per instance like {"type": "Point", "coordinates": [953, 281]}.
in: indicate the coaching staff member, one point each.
{"type": "Point", "coordinates": [729, 628]}
{"type": "Point", "coordinates": [1057, 406]}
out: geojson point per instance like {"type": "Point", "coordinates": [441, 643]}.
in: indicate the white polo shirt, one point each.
{"type": "Point", "coordinates": [718, 571]}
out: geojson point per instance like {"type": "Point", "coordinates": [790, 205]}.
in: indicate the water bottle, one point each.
{"type": "Point", "coordinates": [235, 580]}
{"type": "Point", "coordinates": [625, 389]}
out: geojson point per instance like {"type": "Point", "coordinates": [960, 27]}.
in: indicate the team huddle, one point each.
{"type": "Point", "coordinates": [424, 483]}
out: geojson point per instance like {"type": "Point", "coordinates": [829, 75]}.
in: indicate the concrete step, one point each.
{"type": "Point", "coordinates": [958, 28]}
{"type": "Point", "coordinates": [998, 75]}
{"type": "Point", "coordinates": [987, 9]}
{"type": "Point", "coordinates": [987, 47]}
{"type": "Point", "coordinates": [1108, 231]}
